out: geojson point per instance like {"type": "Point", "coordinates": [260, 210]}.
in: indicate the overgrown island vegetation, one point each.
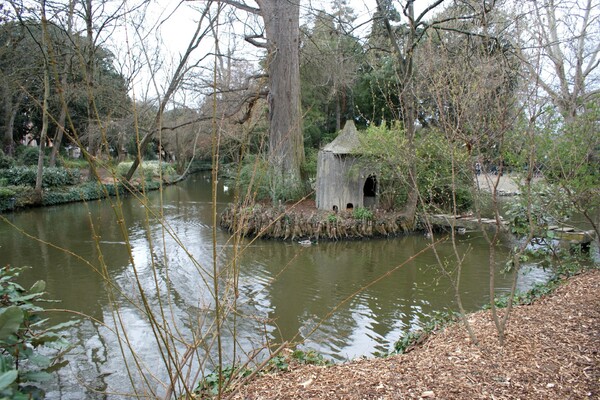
{"type": "Point", "coordinates": [92, 106]}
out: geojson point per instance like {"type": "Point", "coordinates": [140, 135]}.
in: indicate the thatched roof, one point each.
{"type": "Point", "coordinates": [347, 141]}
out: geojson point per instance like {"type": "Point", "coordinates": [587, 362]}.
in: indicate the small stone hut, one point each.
{"type": "Point", "coordinates": [342, 183]}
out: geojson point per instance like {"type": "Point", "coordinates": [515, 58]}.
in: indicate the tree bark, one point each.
{"type": "Point", "coordinates": [45, 41]}
{"type": "Point", "coordinates": [10, 111]}
{"type": "Point", "coordinates": [60, 130]}
{"type": "Point", "coordinates": [286, 143]}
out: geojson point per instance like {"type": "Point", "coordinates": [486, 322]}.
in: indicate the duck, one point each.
{"type": "Point", "coordinates": [305, 242]}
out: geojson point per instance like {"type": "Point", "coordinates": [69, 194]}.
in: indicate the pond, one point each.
{"type": "Point", "coordinates": [343, 299]}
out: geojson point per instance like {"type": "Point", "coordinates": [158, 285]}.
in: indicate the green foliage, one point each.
{"type": "Point", "coordinates": [29, 155]}
{"type": "Point", "coordinates": [362, 213]}
{"type": "Point", "coordinates": [443, 170]}
{"type": "Point", "coordinates": [384, 149]}
{"type": "Point", "coordinates": [74, 163]}
{"type": "Point", "coordinates": [23, 65]}
{"type": "Point", "coordinates": [26, 339]}
{"type": "Point", "coordinates": [6, 192]}
{"type": "Point", "coordinates": [545, 204]}
{"type": "Point", "coordinates": [377, 92]}
{"type": "Point", "coordinates": [415, 337]}
{"type": "Point", "coordinates": [149, 170]}
{"type": "Point", "coordinates": [6, 161]}
{"type": "Point", "coordinates": [332, 218]}
{"type": "Point", "coordinates": [51, 177]}
{"type": "Point", "coordinates": [309, 357]}
{"type": "Point", "coordinates": [84, 192]}
{"type": "Point", "coordinates": [437, 173]}
{"type": "Point", "coordinates": [309, 167]}
{"type": "Point", "coordinates": [21, 196]}
{"type": "Point", "coordinates": [569, 156]}
{"type": "Point", "coordinates": [210, 385]}
{"type": "Point", "coordinates": [256, 179]}
{"type": "Point", "coordinates": [279, 363]}
{"type": "Point", "coordinates": [329, 60]}
{"type": "Point", "coordinates": [253, 178]}
{"type": "Point", "coordinates": [7, 198]}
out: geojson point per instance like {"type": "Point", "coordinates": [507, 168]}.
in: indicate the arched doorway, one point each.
{"type": "Point", "coordinates": [370, 192]}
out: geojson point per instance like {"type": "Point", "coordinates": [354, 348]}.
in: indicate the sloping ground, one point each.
{"type": "Point", "coordinates": [552, 352]}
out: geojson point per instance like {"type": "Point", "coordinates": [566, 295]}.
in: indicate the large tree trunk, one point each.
{"type": "Point", "coordinates": [286, 145]}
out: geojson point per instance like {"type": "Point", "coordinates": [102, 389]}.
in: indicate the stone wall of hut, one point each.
{"type": "Point", "coordinates": [339, 182]}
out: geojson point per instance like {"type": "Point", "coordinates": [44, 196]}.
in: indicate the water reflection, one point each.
{"type": "Point", "coordinates": [320, 296]}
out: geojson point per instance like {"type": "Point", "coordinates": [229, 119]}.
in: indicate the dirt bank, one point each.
{"type": "Point", "coordinates": [552, 352]}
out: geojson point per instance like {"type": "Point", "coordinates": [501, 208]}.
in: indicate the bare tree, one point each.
{"type": "Point", "coordinates": [45, 44]}
{"type": "Point", "coordinates": [562, 48]}
{"type": "Point", "coordinates": [62, 118]}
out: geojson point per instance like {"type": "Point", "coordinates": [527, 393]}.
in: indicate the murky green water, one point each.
{"type": "Point", "coordinates": [309, 295]}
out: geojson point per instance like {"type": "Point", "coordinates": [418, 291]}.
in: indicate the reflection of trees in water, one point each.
{"type": "Point", "coordinates": [313, 281]}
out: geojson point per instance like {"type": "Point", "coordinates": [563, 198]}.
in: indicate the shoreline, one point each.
{"type": "Point", "coordinates": [552, 351]}
{"type": "Point", "coordinates": [304, 222]}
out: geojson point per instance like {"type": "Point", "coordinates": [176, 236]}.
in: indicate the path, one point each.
{"type": "Point", "coordinates": [507, 183]}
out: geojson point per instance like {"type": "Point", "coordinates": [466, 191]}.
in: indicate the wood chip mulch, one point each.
{"type": "Point", "coordinates": [552, 351]}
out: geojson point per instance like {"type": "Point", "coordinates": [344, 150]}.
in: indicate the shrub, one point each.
{"type": "Point", "coordinates": [6, 161]}
{"type": "Point", "coordinates": [254, 177]}
{"type": "Point", "coordinates": [309, 167]}
{"type": "Point", "coordinates": [19, 176]}
{"type": "Point", "coordinates": [332, 218]}
{"type": "Point", "coordinates": [58, 176]}
{"type": "Point", "coordinates": [7, 198]}
{"type": "Point", "coordinates": [362, 213]}
{"type": "Point", "coordinates": [29, 155]}
{"type": "Point", "coordinates": [85, 192]}
{"type": "Point", "coordinates": [51, 177]}
{"type": "Point", "coordinates": [547, 205]}
{"type": "Point", "coordinates": [148, 169]}
{"type": "Point", "coordinates": [385, 150]}
{"type": "Point", "coordinates": [6, 192]}
{"type": "Point", "coordinates": [310, 357]}
{"type": "Point", "coordinates": [210, 385]}
{"type": "Point", "coordinates": [74, 163]}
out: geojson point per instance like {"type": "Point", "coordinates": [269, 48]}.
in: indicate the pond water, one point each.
{"type": "Point", "coordinates": [343, 299]}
